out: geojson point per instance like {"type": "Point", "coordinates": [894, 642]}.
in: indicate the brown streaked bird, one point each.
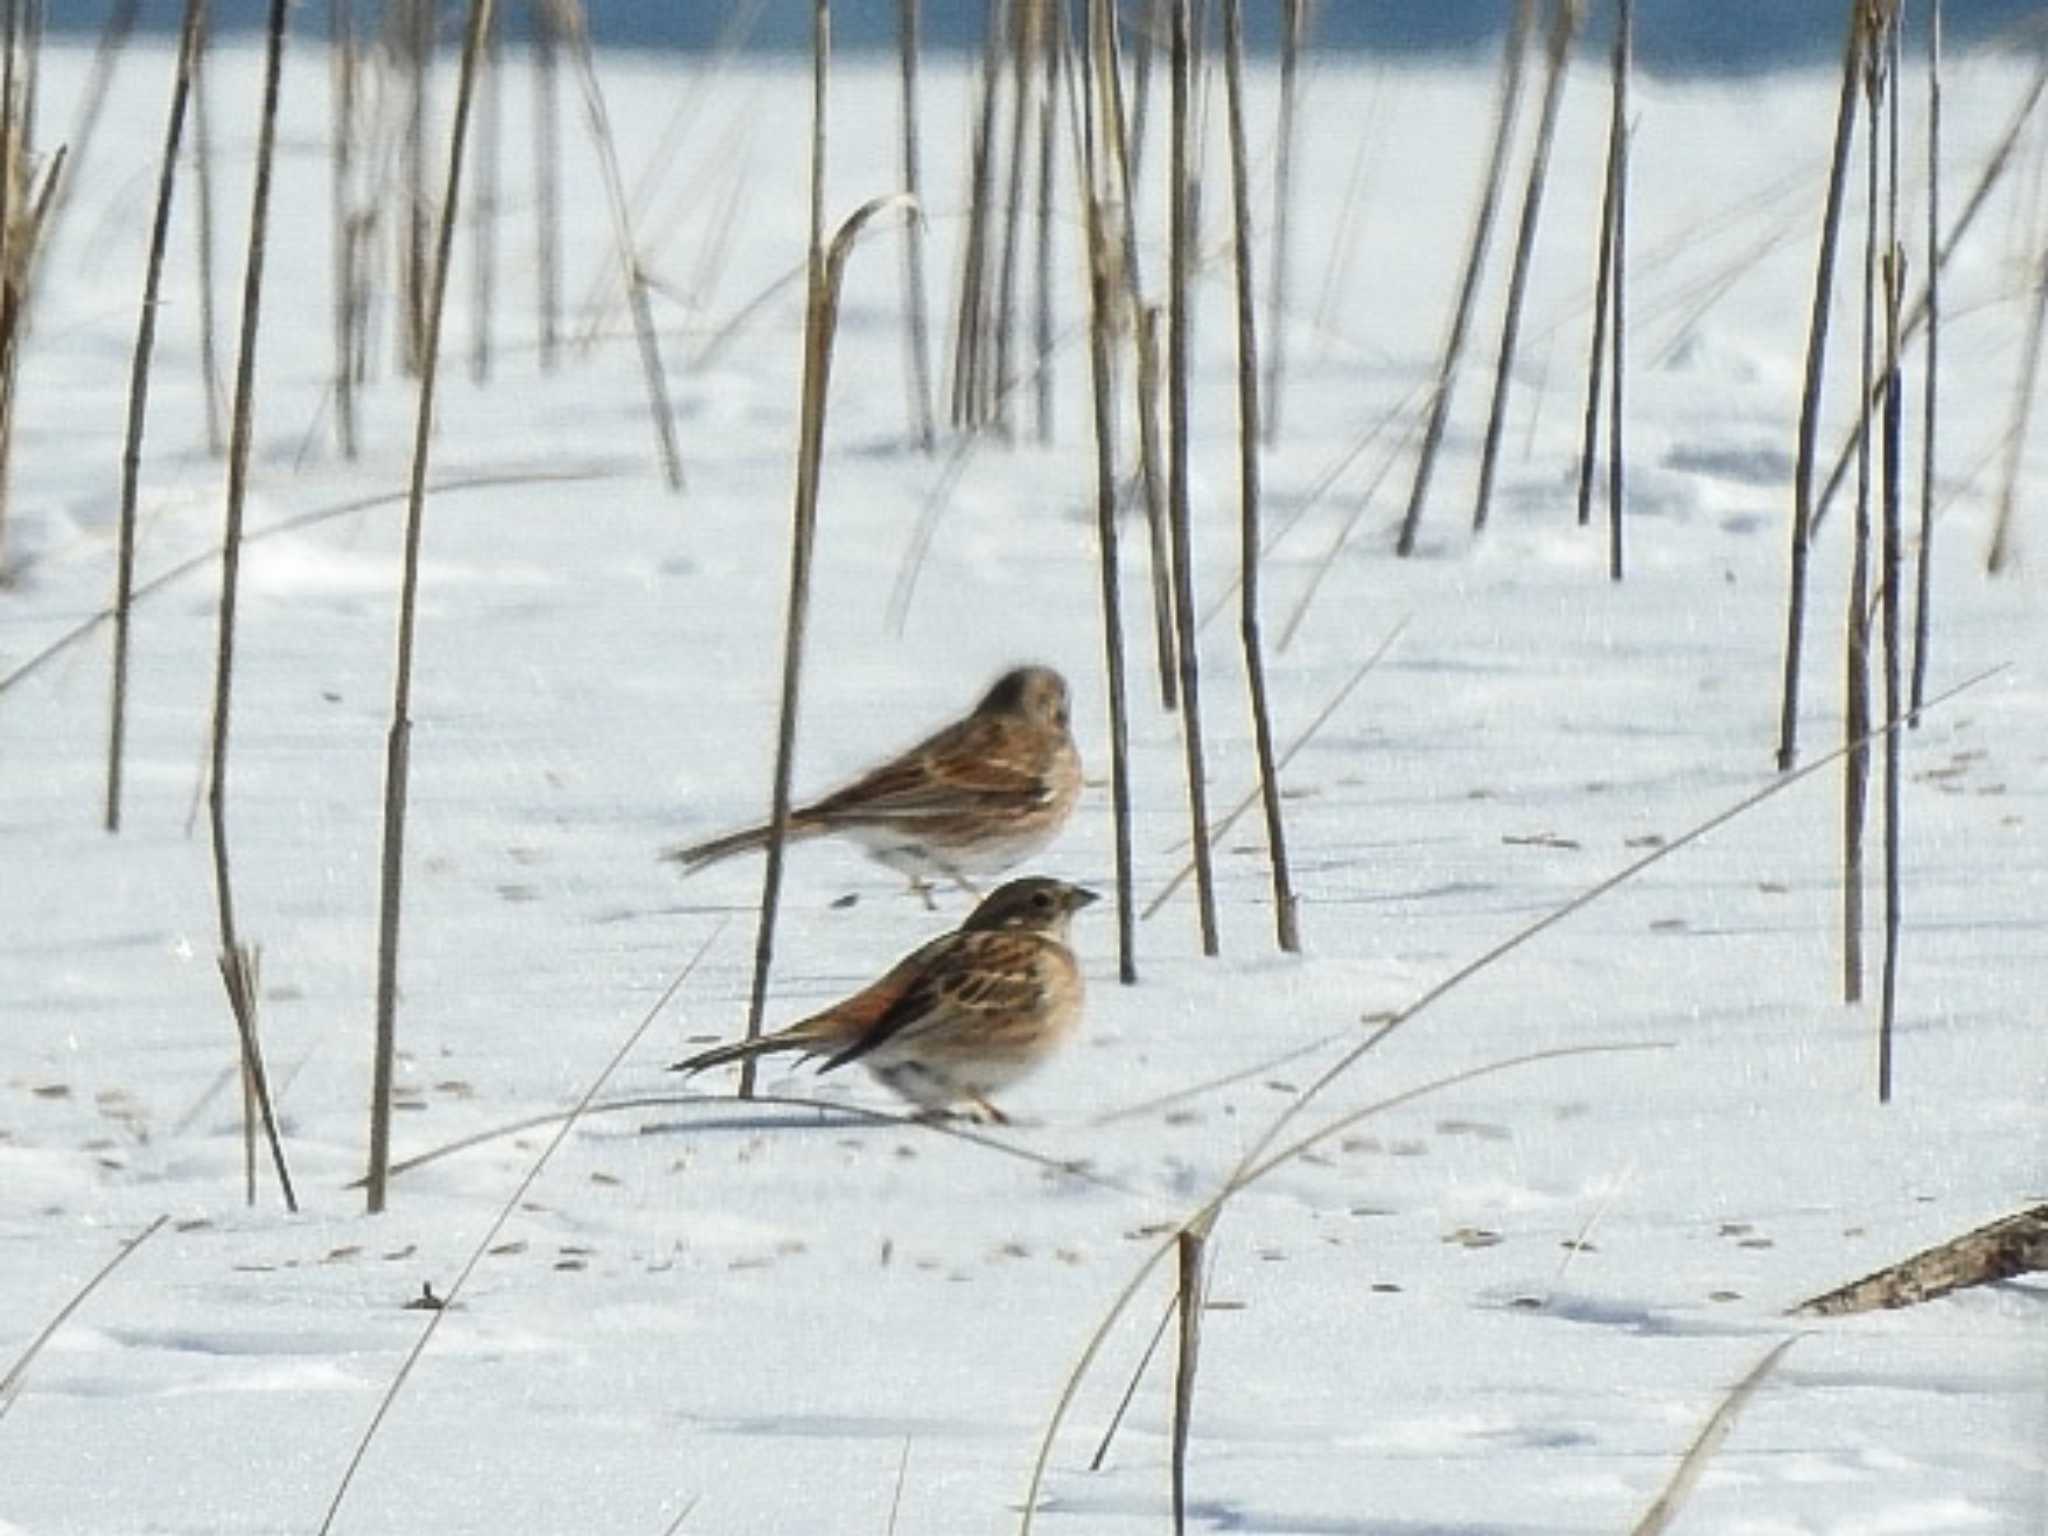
{"type": "Point", "coordinates": [960, 1019]}
{"type": "Point", "coordinates": [976, 798]}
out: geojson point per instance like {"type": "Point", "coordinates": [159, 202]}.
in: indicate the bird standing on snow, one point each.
{"type": "Point", "coordinates": [977, 798]}
{"type": "Point", "coordinates": [963, 1017]}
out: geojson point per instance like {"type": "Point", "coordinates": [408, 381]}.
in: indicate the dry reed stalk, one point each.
{"type": "Point", "coordinates": [1286, 924]}
{"type": "Point", "coordinates": [1123, 1406]}
{"type": "Point", "coordinates": [1923, 565]}
{"type": "Point", "coordinates": [167, 577]}
{"type": "Point", "coordinates": [1856, 622]}
{"type": "Point", "coordinates": [483, 214]}
{"type": "Point", "coordinates": [570, 25]}
{"type": "Point", "coordinates": [852, 1114]}
{"type": "Point", "coordinates": [1042, 284]}
{"type": "Point", "coordinates": [1564, 27]}
{"type": "Point", "coordinates": [692, 92]}
{"type": "Point", "coordinates": [1999, 1250]}
{"type": "Point", "coordinates": [1182, 257]}
{"type": "Point", "coordinates": [1658, 1517]}
{"type": "Point", "coordinates": [1205, 1216]}
{"type": "Point", "coordinates": [1342, 537]}
{"type": "Point", "coordinates": [11, 1382]}
{"type": "Point", "coordinates": [398, 742]}
{"type": "Point", "coordinates": [1294, 22]}
{"type": "Point", "coordinates": [13, 164]}
{"type": "Point", "coordinates": [1149, 30]}
{"type": "Point", "coordinates": [1891, 551]}
{"type": "Point", "coordinates": [917, 327]}
{"type": "Point", "coordinates": [1188, 1244]}
{"type": "Point", "coordinates": [566, 1123]}
{"type": "Point", "coordinates": [1023, 44]}
{"type": "Point", "coordinates": [1507, 106]}
{"type": "Point", "coordinates": [1217, 833]}
{"type": "Point", "coordinates": [341, 214]}
{"type": "Point", "coordinates": [803, 534]}
{"type": "Point", "coordinates": [15, 263]}
{"type": "Point", "coordinates": [1809, 404]}
{"type": "Point", "coordinates": [1146, 374]}
{"type": "Point", "coordinates": [1260, 1160]}
{"type": "Point", "coordinates": [415, 28]}
{"type": "Point", "coordinates": [1103, 311]}
{"type": "Point", "coordinates": [970, 316]}
{"type": "Point", "coordinates": [202, 232]}
{"type": "Point", "coordinates": [1603, 282]}
{"type": "Point", "coordinates": [1888, 590]}
{"type": "Point", "coordinates": [238, 960]}
{"type": "Point", "coordinates": [826, 269]}
{"type": "Point", "coordinates": [1617, 412]}
{"type": "Point", "coordinates": [547, 181]}
{"type": "Point", "coordinates": [138, 400]}
{"type": "Point", "coordinates": [92, 99]}
{"type": "Point", "coordinates": [1994, 169]}
{"type": "Point", "coordinates": [1999, 555]}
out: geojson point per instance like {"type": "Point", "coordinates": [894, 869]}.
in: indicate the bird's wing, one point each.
{"type": "Point", "coordinates": [973, 762]}
{"type": "Point", "coordinates": [962, 982]}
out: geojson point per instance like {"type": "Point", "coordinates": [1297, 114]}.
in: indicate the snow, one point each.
{"type": "Point", "coordinates": [1504, 1307]}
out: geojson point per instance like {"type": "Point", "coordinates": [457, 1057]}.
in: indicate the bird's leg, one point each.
{"type": "Point", "coordinates": [921, 888]}
{"type": "Point", "coordinates": [996, 1116]}
{"type": "Point", "coordinates": [952, 873]}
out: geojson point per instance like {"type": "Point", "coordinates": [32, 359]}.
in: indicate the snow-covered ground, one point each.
{"type": "Point", "coordinates": [773, 1312]}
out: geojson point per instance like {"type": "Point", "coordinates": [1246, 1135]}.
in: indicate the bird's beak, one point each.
{"type": "Point", "coordinates": [1079, 897]}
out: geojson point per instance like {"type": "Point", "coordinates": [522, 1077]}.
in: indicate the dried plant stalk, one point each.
{"type": "Point", "coordinates": [1809, 405]}
{"type": "Point", "coordinates": [1042, 348]}
{"type": "Point", "coordinates": [547, 180]}
{"type": "Point", "coordinates": [1617, 412]}
{"type": "Point", "coordinates": [1658, 1517]}
{"type": "Point", "coordinates": [416, 31]}
{"type": "Point", "coordinates": [1142, 318]}
{"type": "Point", "coordinates": [1856, 649]}
{"type": "Point", "coordinates": [138, 400]}
{"type": "Point", "coordinates": [238, 960]}
{"type": "Point", "coordinates": [2012, 1245]}
{"type": "Point", "coordinates": [1923, 569]}
{"type": "Point", "coordinates": [971, 388]}
{"type": "Point", "coordinates": [1182, 245]}
{"type": "Point", "coordinates": [1994, 169]}
{"type": "Point", "coordinates": [1286, 927]}
{"type": "Point", "coordinates": [1999, 555]}
{"type": "Point", "coordinates": [19, 1369]}
{"type": "Point", "coordinates": [1189, 1243]}
{"type": "Point", "coordinates": [202, 182]}
{"type": "Point", "coordinates": [1023, 42]}
{"type": "Point", "coordinates": [398, 742]}
{"type": "Point", "coordinates": [483, 214]}
{"type": "Point", "coordinates": [1103, 311]}
{"type": "Point", "coordinates": [569, 25]}
{"type": "Point", "coordinates": [1508, 105]}
{"type": "Point", "coordinates": [1888, 597]}
{"type": "Point", "coordinates": [1294, 20]}
{"type": "Point", "coordinates": [917, 328]}
{"type": "Point", "coordinates": [1564, 27]}
{"type": "Point", "coordinates": [1603, 283]}
{"type": "Point", "coordinates": [341, 212]}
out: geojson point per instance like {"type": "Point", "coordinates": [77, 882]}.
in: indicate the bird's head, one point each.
{"type": "Point", "coordinates": [1036, 694]}
{"type": "Point", "coordinates": [1036, 904]}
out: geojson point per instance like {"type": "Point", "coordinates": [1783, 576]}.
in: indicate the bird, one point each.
{"type": "Point", "coordinates": [958, 1019]}
{"type": "Point", "coordinates": [975, 798]}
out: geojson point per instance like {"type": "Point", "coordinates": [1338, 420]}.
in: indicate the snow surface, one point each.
{"type": "Point", "coordinates": [767, 1310]}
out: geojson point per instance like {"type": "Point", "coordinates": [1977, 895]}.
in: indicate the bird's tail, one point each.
{"type": "Point", "coordinates": [698, 856]}
{"type": "Point", "coordinates": [798, 1037]}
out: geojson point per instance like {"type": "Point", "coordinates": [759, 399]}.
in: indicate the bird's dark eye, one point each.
{"type": "Point", "coordinates": [1042, 899]}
